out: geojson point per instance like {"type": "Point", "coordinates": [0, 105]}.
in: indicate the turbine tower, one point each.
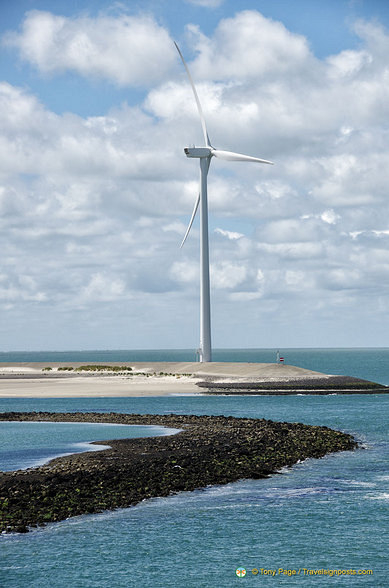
{"type": "Point", "coordinates": [205, 154]}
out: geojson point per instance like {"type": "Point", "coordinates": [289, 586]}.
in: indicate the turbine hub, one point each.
{"type": "Point", "coordinates": [197, 152]}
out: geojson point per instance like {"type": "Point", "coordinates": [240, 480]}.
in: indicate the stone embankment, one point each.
{"type": "Point", "coordinates": [302, 385]}
{"type": "Point", "coordinates": [208, 450]}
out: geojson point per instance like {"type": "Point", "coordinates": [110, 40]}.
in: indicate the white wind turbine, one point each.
{"type": "Point", "coordinates": [205, 155]}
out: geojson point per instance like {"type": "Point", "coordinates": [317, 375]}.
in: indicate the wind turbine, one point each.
{"type": "Point", "coordinates": [205, 155]}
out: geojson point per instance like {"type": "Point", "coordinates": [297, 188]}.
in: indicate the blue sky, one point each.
{"type": "Point", "coordinates": [95, 191]}
{"type": "Point", "coordinates": [326, 25]}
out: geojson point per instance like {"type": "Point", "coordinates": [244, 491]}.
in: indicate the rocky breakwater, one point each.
{"type": "Point", "coordinates": [324, 384]}
{"type": "Point", "coordinates": [208, 450]}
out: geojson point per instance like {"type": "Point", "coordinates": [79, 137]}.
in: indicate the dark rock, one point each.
{"type": "Point", "coordinates": [208, 450]}
{"type": "Point", "coordinates": [305, 385]}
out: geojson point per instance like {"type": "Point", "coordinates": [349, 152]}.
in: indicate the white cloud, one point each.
{"type": "Point", "coordinates": [348, 63]}
{"type": "Point", "coordinates": [128, 50]}
{"type": "Point", "coordinates": [227, 275]}
{"type": "Point", "coordinates": [102, 288]}
{"type": "Point", "coordinates": [93, 208]}
{"type": "Point", "coordinates": [175, 227]}
{"type": "Point", "coordinates": [330, 217]}
{"type": "Point", "coordinates": [327, 216]}
{"type": "Point", "coordinates": [232, 235]}
{"type": "Point", "coordinates": [248, 45]}
{"type": "Point", "coordinates": [22, 288]}
{"type": "Point", "coordinates": [185, 272]}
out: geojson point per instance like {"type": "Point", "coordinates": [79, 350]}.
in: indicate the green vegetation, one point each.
{"type": "Point", "coordinates": [103, 368]}
{"type": "Point", "coordinates": [112, 368]}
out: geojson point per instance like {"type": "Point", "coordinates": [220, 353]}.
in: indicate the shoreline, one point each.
{"type": "Point", "coordinates": [94, 387]}
{"type": "Point", "coordinates": [141, 379]}
{"type": "Point", "coordinates": [208, 450]}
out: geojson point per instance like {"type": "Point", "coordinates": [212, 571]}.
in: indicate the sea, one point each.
{"type": "Point", "coordinates": [323, 522]}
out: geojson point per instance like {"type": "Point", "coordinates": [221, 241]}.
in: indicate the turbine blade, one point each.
{"type": "Point", "coordinates": [203, 125]}
{"type": "Point", "coordinates": [191, 220]}
{"type": "Point", "coordinates": [231, 156]}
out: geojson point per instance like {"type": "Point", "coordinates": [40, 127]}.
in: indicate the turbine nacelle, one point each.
{"type": "Point", "coordinates": [197, 152]}
{"type": "Point", "coordinates": [203, 152]}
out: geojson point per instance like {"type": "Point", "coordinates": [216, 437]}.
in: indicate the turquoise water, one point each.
{"type": "Point", "coordinates": [331, 513]}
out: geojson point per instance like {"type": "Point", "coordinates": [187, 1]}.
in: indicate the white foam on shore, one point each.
{"type": "Point", "coordinates": [80, 447]}
{"type": "Point", "coordinates": [86, 446]}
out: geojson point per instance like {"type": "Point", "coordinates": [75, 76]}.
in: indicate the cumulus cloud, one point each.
{"type": "Point", "coordinates": [127, 50]}
{"type": "Point", "coordinates": [102, 288]}
{"type": "Point", "coordinates": [93, 209]}
{"type": "Point", "coordinates": [246, 46]}
{"type": "Point", "coordinates": [232, 235]}
{"type": "Point", "coordinates": [227, 275]}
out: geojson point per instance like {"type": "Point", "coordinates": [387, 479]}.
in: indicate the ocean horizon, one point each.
{"type": "Point", "coordinates": [370, 363]}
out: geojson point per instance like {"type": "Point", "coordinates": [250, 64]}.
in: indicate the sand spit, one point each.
{"type": "Point", "coordinates": [51, 380]}
{"type": "Point", "coordinates": [208, 450]}
{"type": "Point", "coordinates": [200, 370]}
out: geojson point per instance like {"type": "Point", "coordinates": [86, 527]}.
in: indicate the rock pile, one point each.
{"type": "Point", "coordinates": [208, 450]}
{"type": "Point", "coordinates": [302, 385]}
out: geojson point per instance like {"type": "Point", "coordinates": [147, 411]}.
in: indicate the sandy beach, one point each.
{"type": "Point", "coordinates": [96, 386]}
{"type": "Point", "coordinates": [171, 379]}
{"type": "Point", "coordinates": [147, 379]}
